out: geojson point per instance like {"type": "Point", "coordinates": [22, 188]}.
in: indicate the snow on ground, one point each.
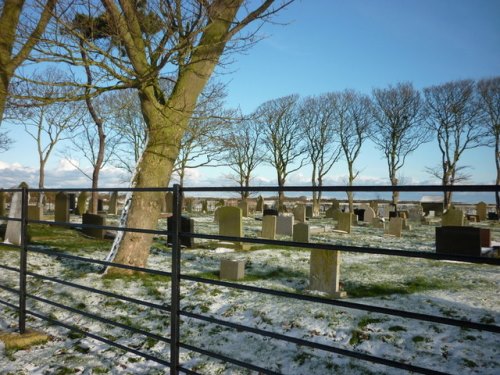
{"type": "Point", "coordinates": [451, 289]}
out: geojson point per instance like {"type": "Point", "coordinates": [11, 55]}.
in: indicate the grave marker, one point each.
{"type": "Point", "coordinates": [284, 225]}
{"type": "Point", "coordinates": [299, 213]}
{"type": "Point", "coordinates": [230, 222]}
{"type": "Point", "coordinates": [61, 210]}
{"type": "Point", "coordinates": [301, 232]}
{"type": "Point", "coordinates": [269, 227]}
{"type": "Point", "coordinates": [395, 226]}
{"type": "Point", "coordinates": [244, 207]}
{"type": "Point", "coordinates": [13, 230]}
{"type": "Point", "coordinates": [187, 225]}
{"type": "Point", "coordinates": [453, 217]}
{"type": "Point", "coordinates": [82, 203]}
{"type": "Point", "coordinates": [93, 219]}
{"type": "Point", "coordinates": [112, 207]}
{"type": "Point", "coordinates": [345, 222]}
{"type": "Point", "coordinates": [232, 269]}
{"type": "Point", "coordinates": [260, 204]}
{"type": "Point", "coordinates": [324, 275]}
{"type": "Point", "coordinates": [481, 209]}
{"type": "Point", "coordinates": [369, 214]}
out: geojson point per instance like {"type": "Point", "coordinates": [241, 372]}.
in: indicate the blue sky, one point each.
{"type": "Point", "coordinates": [331, 45]}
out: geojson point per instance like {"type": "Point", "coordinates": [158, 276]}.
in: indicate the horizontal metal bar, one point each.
{"type": "Point", "coordinates": [9, 289]}
{"type": "Point", "coordinates": [76, 190]}
{"type": "Point", "coordinates": [354, 249]}
{"type": "Point", "coordinates": [297, 341]}
{"type": "Point", "coordinates": [99, 338]}
{"type": "Point", "coordinates": [99, 291]}
{"type": "Point", "coordinates": [8, 304]}
{"type": "Point", "coordinates": [8, 268]}
{"type": "Point", "coordinates": [96, 261]}
{"type": "Point", "coordinates": [350, 305]}
{"type": "Point", "coordinates": [99, 318]}
{"type": "Point", "coordinates": [93, 226]}
{"type": "Point", "coordinates": [224, 358]}
{"type": "Point", "coordinates": [357, 188]}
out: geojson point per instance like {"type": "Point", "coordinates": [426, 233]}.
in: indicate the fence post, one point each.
{"type": "Point", "coordinates": [175, 281]}
{"type": "Point", "coordinates": [23, 260]}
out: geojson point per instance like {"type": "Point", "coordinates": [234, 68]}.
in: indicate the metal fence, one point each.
{"type": "Point", "coordinates": [178, 278]}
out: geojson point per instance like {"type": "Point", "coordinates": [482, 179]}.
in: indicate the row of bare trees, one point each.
{"type": "Point", "coordinates": [289, 132]}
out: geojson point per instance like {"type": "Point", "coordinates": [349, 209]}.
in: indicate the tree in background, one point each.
{"type": "Point", "coordinates": [353, 118]}
{"type": "Point", "coordinates": [317, 119]}
{"type": "Point", "coordinates": [244, 152]}
{"type": "Point", "coordinates": [489, 96]}
{"type": "Point", "coordinates": [452, 115]}
{"type": "Point", "coordinates": [398, 126]}
{"type": "Point", "coordinates": [46, 124]}
{"type": "Point", "coordinates": [282, 136]}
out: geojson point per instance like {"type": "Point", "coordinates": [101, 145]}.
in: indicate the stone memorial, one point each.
{"type": "Point", "coordinates": [369, 214]}
{"type": "Point", "coordinates": [324, 275]}
{"type": "Point", "coordinates": [269, 227]}
{"type": "Point", "coordinates": [188, 203]}
{"type": "Point", "coordinates": [395, 226]}
{"type": "Point", "coordinates": [244, 207]}
{"type": "Point", "coordinates": [92, 219]}
{"type": "Point", "coordinates": [169, 202]}
{"type": "Point", "coordinates": [453, 217]}
{"type": "Point", "coordinates": [113, 206]}
{"type": "Point", "coordinates": [344, 222]}
{"type": "Point", "coordinates": [481, 209]}
{"type": "Point", "coordinates": [374, 206]}
{"type": "Point", "coordinates": [35, 212]}
{"type": "Point", "coordinates": [309, 212]}
{"type": "Point", "coordinates": [260, 204]}
{"type": "Point", "coordinates": [187, 225]}
{"type": "Point", "coordinates": [378, 222]}
{"type": "Point", "coordinates": [232, 269]}
{"type": "Point", "coordinates": [457, 240]}
{"type": "Point", "coordinates": [299, 213]}
{"type": "Point", "coordinates": [284, 225]}
{"type": "Point", "coordinates": [13, 230]}
{"type": "Point", "coordinates": [270, 211]}
{"type": "Point", "coordinates": [204, 206]}
{"type": "Point", "coordinates": [61, 210]}
{"type": "Point", "coordinates": [100, 206]}
{"type": "Point", "coordinates": [230, 222]}
{"type": "Point", "coordinates": [301, 233]}
{"type": "Point", "coordinates": [335, 204]}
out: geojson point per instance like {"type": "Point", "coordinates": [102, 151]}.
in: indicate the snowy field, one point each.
{"type": "Point", "coordinates": [450, 289]}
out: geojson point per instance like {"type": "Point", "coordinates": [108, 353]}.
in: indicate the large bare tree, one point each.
{"type": "Point", "coordinates": [282, 137]}
{"type": "Point", "coordinates": [453, 116]}
{"type": "Point", "coordinates": [322, 147]}
{"type": "Point", "coordinates": [399, 127]}
{"type": "Point", "coordinates": [353, 119]}
{"type": "Point", "coordinates": [132, 44]}
{"type": "Point", "coordinates": [21, 28]}
{"type": "Point", "coordinates": [489, 94]}
{"type": "Point", "coordinates": [244, 152]}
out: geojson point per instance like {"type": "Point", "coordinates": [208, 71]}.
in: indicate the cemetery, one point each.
{"type": "Point", "coordinates": [456, 290]}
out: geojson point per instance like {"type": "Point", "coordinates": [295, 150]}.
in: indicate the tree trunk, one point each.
{"type": "Point", "coordinates": [350, 195]}
{"type": "Point", "coordinates": [41, 182]}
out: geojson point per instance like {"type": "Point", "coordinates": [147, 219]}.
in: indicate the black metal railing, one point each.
{"type": "Point", "coordinates": [178, 278]}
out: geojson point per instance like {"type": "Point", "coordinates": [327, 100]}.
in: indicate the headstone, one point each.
{"type": "Point", "coordinates": [369, 214]}
{"type": "Point", "coordinates": [61, 210]}
{"type": "Point", "coordinates": [378, 222]}
{"type": "Point", "coordinates": [330, 212]}
{"type": "Point", "coordinates": [360, 213]}
{"type": "Point", "coordinates": [187, 225]}
{"type": "Point", "coordinates": [299, 213]}
{"type": "Point", "coordinates": [452, 218]}
{"type": "Point", "coordinates": [169, 202]}
{"type": "Point", "coordinates": [481, 209]}
{"type": "Point", "coordinates": [216, 215]}
{"type": "Point", "coordinates": [244, 207]}
{"type": "Point", "coordinates": [204, 206]}
{"type": "Point", "coordinates": [309, 212]}
{"type": "Point", "coordinates": [492, 216]}
{"type": "Point", "coordinates": [335, 204]}
{"type": "Point", "coordinates": [374, 206]}
{"type": "Point", "coordinates": [189, 204]}
{"type": "Point", "coordinates": [13, 230]}
{"type": "Point", "coordinates": [72, 202]}
{"type": "Point", "coordinates": [324, 273]}
{"type": "Point", "coordinates": [100, 205]}
{"type": "Point", "coordinates": [460, 240]}
{"type": "Point", "coordinates": [82, 203]}
{"type": "Point", "coordinates": [232, 269]}
{"type": "Point", "coordinates": [395, 226]}
{"type": "Point", "coordinates": [92, 219]}
{"type": "Point", "coordinates": [269, 227]}
{"type": "Point", "coordinates": [284, 225]}
{"type": "Point", "coordinates": [260, 204]}
{"type": "Point", "coordinates": [301, 232]}
{"type": "Point", "coordinates": [270, 211]}
{"type": "Point", "coordinates": [230, 221]}
{"type": "Point", "coordinates": [112, 206]}
{"type": "Point", "coordinates": [220, 203]}
{"type": "Point", "coordinates": [35, 212]}
{"type": "Point", "coordinates": [345, 222]}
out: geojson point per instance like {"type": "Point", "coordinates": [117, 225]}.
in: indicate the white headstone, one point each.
{"type": "Point", "coordinates": [13, 230]}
